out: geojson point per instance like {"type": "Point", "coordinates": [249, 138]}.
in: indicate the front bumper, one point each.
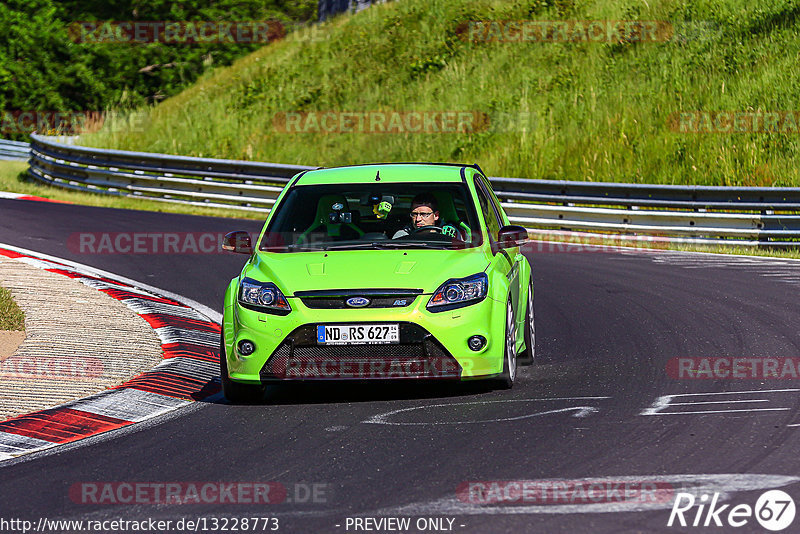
{"type": "Point", "coordinates": [432, 345]}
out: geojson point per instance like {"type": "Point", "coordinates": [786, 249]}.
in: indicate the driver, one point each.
{"type": "Point", "coordinates": [424, 212]}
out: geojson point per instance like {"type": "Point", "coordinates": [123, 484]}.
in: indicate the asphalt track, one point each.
{"type": "Point", "coordinates": [607, 324]}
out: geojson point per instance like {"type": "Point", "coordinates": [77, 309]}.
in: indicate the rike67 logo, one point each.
{"type": "Point", "coordinates": [774, 510]}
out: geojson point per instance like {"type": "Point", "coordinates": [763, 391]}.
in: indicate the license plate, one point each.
{"type": "Point", "coordinates": [358, 334]}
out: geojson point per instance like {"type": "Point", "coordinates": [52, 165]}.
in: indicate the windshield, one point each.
{"type": "Point", "coordinates": [373, 216]}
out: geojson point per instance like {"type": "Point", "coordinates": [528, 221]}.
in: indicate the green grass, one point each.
{"type": "Point", "coordinates": [645, 245]}
{"type": "Point", "coordinates": [740, 251]}
{"type": "Point", "coordinates": [14, 178]}
{"type": "Point", "coordinates": [599, 111]}
{"type": "Point", "coordinates": [11, 317]}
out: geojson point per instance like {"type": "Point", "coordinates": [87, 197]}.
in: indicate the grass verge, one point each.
{"type": "Point", "coordinates": [607, 110]}
{"type": "Point", "coordinates": [11, 317]}
{"type": "Point", "coordinates": [647, 245]}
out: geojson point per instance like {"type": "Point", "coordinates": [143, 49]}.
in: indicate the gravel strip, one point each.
{"type": "Point", "coordinates": [78, 341]}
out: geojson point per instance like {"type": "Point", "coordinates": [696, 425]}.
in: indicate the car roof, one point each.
{"type": "Point", "coordinates": [387, 172]}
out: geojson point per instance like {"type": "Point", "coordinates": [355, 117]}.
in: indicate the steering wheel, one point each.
{"type": "Point", "coordinates": [428, 229]}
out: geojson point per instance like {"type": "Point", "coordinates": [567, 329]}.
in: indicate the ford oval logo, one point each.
{"type": "Point", "coordinates": [357, 302]}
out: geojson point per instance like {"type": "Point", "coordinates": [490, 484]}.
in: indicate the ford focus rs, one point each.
{"type": "Point", "coordinates": [391, 271]}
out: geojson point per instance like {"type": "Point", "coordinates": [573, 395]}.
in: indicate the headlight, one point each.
{"type": "Point", "coordinates": [459, 292]}
{"type": "Point", "coordinates": [262, 296]}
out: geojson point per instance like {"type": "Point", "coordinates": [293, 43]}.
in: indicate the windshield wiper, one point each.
{"type": "Point", "coordinates": [305, 248]}
{"type": "Point", "coordinates": [344, 246]}
{"type": "Point", "coordinates": [388, 244]}
{"type": "Point", "coordinates": [411, 244]}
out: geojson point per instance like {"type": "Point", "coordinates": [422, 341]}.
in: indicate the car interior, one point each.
{"type": "Point", "coordinates": [320, 216]}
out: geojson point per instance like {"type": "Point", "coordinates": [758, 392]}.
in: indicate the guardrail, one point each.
{"type": "Point", "coordinates": [736, 215]}
{"type": "Point", "coordinates": [243, 185]}
{"type": "Point", "coordinates": [14, 150]}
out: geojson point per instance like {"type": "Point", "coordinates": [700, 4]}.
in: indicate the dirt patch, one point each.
{"type": "Point", "coordinates": [9, 341]}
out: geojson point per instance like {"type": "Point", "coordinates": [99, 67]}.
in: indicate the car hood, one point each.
{"type": "Point", "coordinates": [356, 269]}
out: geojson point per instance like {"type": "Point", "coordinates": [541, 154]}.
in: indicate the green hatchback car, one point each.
{"type": "Point", "coordinates": [381, 271]}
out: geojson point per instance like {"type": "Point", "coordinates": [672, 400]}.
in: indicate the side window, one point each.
{"type": "Point", "coordinates": [489, 215]}
{"type": "Point", "coordinates": [494, 199]}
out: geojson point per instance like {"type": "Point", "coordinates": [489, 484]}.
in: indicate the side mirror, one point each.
{"type": "Point", "coordinates": [511, 236]}
{"type": "Point", "coordinates": [238, 241]}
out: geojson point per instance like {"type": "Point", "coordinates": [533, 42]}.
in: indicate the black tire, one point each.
{"type": "Point", "coordinates": [234, 391]}
{"type": "Point", "coordinates": [510, 367]}
{"type": "Point", "coordinates": [526, 357]}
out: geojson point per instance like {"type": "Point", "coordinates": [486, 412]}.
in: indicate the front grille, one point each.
{"type": "Point", "coordinates": [418, 355]}
{"type": "Point", "coordinates": [337, 299]}
{"type": "Point", "coordinates": [340, 303]}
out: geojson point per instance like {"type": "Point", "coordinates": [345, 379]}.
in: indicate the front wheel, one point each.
{"type": "Point", "coordinates": [506, 379]}
{"type": "Point", "coordinates": [529, 332]}
{"type": "Point", "coordinates": [234, 391]}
